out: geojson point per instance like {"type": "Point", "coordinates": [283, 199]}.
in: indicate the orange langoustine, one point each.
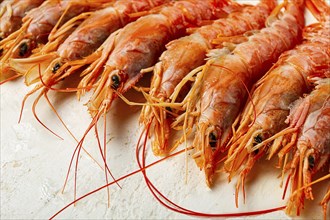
{"type": "Point", "coordinates": [137, 46]}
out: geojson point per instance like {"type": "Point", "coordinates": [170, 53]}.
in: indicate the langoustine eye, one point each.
{"type": "Point", "coordinates": [257, 140]}
{"type": "Point", "coordinates": [213, 140]}
{"type": "Point", "coordinates": [115, 81]}
{"type": "Point", "coordinates": [56, 67]}
{"type": "Point", "coordinates": [311, 162]}
{"type": "Point", "coordinates": [23, 49]}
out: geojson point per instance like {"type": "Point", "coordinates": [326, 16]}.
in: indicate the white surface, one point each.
{"type": "Point", "coordinates": [34, 164]}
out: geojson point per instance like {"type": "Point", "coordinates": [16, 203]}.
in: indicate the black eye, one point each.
{"type": "Point", "coordinates": [256, 151]}
{"type": "Point", "coordinates": [213, 140]}
{"type": "Point", "coordinates": [311, 162]}
{"type": "Point", "coordinates": [115, 81]}
{"type": "Point", "coordinates": [56, 67]}
{"type": "Point", "coordinates": [168, 109]}
{"type": "Point", "coordinates": [257, 140]}
{"type": "Point", "coordinates": [23, 49]}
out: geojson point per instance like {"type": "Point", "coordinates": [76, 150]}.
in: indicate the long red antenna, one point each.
{"type": "Point", "coordinates": [159, 196]}
{"type": "Point", "coordinates": [103, 155]}
{"type": "Point", "coordinates": [34, 106]}
{"type": "Point", "coordinates": [118, 179]}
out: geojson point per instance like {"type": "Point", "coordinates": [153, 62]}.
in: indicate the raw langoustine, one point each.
{"type": "Point", "coordinates": [51, 64]}
{"type": "Point", "coordinates": [308, 138]}
{"type": "Point", "coordinates": [185, 54]}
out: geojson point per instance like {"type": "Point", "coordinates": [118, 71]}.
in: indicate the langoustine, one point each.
{"type": "Point", "coordinates": [11, 14]}
{"type": "Point", "coordinates": [185, 54]}
{"type": "Point", "coordinates": [265, 114]}
{"type": "Point", "coordinates": [223, 84]}
{"type": "Point", "coordinates": [308, 139]}
{"type": "Point", "coordinates": [38, 25]}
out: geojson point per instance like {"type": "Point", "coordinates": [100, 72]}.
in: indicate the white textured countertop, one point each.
{"type": "Point", "coordinates": [34, 164]}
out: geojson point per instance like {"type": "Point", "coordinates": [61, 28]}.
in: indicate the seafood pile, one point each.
{"type": "Point", "coordinates": [232, 85]}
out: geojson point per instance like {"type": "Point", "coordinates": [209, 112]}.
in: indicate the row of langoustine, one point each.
{"type": "Point", "coordinates": [137, 46]}
{"type": "Point", "coordinates": [24, 54]}
{"type": "Point", "coordinates": [240, 136]}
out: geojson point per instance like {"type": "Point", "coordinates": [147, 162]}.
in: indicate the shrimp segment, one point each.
{"type": "Point", "coordinates": [12, 12]}
{"type": "Point", "coordinates": [37, 25]}
{"type": "Point", "coordinates": [93, 30]}
{"type": "Point", "coordinates": [222, 85]}
{"type": "Point", "coordinates": [266, 113]}
{"type": "Point", "coordinates": [185, 54]}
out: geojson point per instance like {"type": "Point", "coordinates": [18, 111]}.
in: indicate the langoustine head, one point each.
{"type": "Point", "coordinates": [219, 105]}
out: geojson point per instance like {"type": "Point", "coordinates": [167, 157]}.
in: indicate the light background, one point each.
{"type": "Point", "coordinates": [34, 164]}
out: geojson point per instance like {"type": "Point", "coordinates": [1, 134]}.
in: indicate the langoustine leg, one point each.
{"type": "Point", "coordinates": [325, 202]}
